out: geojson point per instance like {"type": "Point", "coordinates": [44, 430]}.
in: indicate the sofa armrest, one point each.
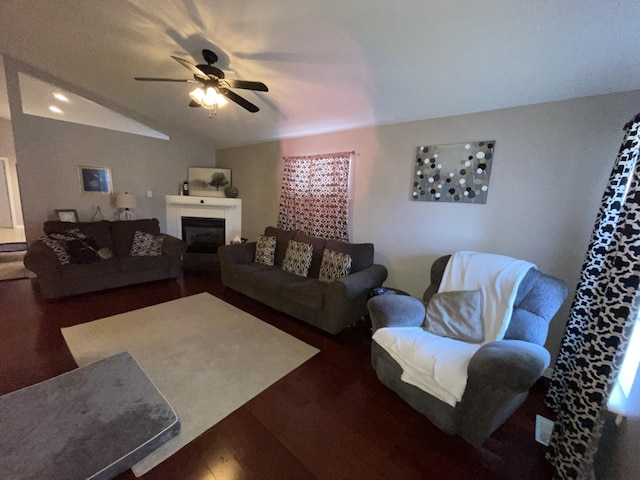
{"type": "Point", "coordinates": [243, 253]}
{"type": "Point", "coordinates": [513, 364]}
{"type": "Point", "coordinates": [173, 247]}
{"type": "Point", "coordinates": [395, 311]}
{"type": "Point", "coordinates": [354, 284]}
{"type": "Point", "coordinates": [41, 260]}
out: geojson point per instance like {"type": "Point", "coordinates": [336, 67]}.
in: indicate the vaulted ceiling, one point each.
{"type": "Point", "coordinates": [329, 65]}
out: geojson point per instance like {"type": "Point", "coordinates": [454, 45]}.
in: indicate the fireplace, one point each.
{"type": "Point", "coordinates": [206, 208]}
{"type": "Point", "coordinates": [203, 235]}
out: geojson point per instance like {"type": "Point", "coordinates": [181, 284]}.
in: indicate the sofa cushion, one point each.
{"type": "Point", "coordinates": [361, 253]}
{"type": "Point", "coordinates": [266, 250]}
{"type": "Point", "coordinates": [146, 245]}
{"type": "Point", "coordinates": [245, 269]}
{"type": "Point", "coordinates": [282, 240]}
{"type": "Point", "coordinates": [456, 315]}
{"type": "Point", "coordinates": [140, 263]}
{"type": "Point", "coordinates": [122, 232]}
{"type": "Point", "coordinates": [297, 260]}
{"type": "Point", "coordinates": [274, 279]}
{"type": "Point", "coordinates": [99, 231]}
{"type": "Point", "coordinates": [335, 265]}
{"type": "Point", "coordinates": [310, 293]}
{"type": "Point", "coordinates": [83, 270]}
{"type": "Point", "coordinates": [318, 249]}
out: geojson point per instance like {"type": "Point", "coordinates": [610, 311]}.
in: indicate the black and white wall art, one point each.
{"type": "Point", "coordinates": [453, 173]}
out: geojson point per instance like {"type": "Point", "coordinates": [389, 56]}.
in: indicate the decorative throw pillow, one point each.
{"type": "Point", "coordinates": [266, 250]}
{"type": "Point", "coordinates": [59, 247]}
{"type": "Point", "coordinates": [335, 265]}
{"type": "Point", "coordinates": [146, 245]}
{"type": "Point", "coordinates": [297, 259]}
{"type": "Point", "coordinates": [456, 315]}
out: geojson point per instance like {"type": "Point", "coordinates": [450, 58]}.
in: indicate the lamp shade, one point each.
{"type": "Point", "coordinates": [125, 200]}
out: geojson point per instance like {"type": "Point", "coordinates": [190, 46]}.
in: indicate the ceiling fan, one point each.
{"type": "Point", "coordinates": [214, 88]}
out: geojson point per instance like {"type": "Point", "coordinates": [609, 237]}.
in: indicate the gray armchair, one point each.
{"type": "Point", "coordinates": [499, 374]}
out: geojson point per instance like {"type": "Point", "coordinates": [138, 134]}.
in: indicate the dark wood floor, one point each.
{"type": "Point", "coordinates": [329, 419]}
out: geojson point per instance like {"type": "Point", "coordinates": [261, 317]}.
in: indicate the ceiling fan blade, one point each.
{"type": "Point", "coordinates": [234, 97]}
{"type": "Point", "coordinates": [190, 66]}
{"type": "Point", "coordinates": [151, 79]}
{"type": "Point", "coordinates": [258, 86]}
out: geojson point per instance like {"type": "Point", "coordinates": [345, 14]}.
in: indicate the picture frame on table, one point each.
{"type": "Point", "coordinates": [67, 215]}
{"type": "Point", "coordinates": [95, 180]}
{"type": "Point", "coordinates": [208, 182]}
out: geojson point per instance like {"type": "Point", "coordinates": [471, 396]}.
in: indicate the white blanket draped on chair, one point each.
{"type": "Point", "coordinates": [438, 365]}
{"type": "Point", "coordinates": [496, 276]}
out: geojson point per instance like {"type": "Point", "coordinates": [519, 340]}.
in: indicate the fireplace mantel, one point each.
{"type": "Point", "coordinates": [230, 209]}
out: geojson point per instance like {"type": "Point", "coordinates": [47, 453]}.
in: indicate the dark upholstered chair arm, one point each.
{"type": "Point", "coordinates": [173, 247]}
{"type": "Point", "coordinates": [243, 253]}
{"type": "Point", "coordinates": [513, 364]}
{"type": "Point", "coordinates": [395, 311]}
{"type": "Point", "coordinates": [41, 260]}
{"type": "Point", "coordinates": [354, 284]}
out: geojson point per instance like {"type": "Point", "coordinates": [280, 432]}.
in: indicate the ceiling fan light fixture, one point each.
{"type": "Point", "coordinates": [197, 95]}
{"type": "Point", "coordinates": [214, 90]}
{"type": "Point", "coordinates": [209, 99]}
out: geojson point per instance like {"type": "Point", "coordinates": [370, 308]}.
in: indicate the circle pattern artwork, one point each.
{"type": "Point", "coordinates": [464, 169]}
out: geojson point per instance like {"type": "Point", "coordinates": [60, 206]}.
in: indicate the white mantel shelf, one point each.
{"type": "Point", "coordinates": [229, 209]}
{"type": "Point", "coordinates": [222, 202]}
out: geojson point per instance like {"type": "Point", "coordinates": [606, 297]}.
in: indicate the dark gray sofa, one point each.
{"type": "Point", "coordinates": [56, 280]}
{"type": "Point", "coordinates": [500, 373]}
{"type": "Point", "coordinates": [330, 307]}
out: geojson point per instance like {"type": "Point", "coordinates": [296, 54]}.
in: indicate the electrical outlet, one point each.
{"type": "Point", "coordinates": [149, 194]}
{"type": "Point", "coordinates": [544, 427]}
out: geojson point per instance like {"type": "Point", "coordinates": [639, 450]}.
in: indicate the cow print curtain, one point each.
{"type": "Point", "coordinates": [602, 315]}
{"type": "Point", "coordinates": [315, 195]}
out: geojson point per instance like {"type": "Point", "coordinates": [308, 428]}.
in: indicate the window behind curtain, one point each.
{"type": "Point", "coordinates": [315, 195]}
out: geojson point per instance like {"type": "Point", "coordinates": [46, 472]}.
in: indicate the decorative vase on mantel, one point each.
{"type": "Point", "coordinates": [231, 192]}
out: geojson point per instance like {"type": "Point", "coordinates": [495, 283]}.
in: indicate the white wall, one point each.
{"type": "Point", "coordinates": [49, 151]}
{"type": "Point", "coordinates": [551, 164]}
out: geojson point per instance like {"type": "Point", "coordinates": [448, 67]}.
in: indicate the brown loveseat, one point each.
{"type": "Point", "coordinates": [330, 306]}
{"type": "Point", "coordinates": [60, 275]}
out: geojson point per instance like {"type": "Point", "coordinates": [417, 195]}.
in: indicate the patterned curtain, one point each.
{"type": "Point", "coordinates": [315, 194]}
{"type": "Point", "coordinates": [602, 315]}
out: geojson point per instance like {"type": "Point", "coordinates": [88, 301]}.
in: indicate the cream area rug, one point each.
{"type": "Point", "coordinates": [207, 358]}
{"type": "Point", "coordinates": [12, 266]}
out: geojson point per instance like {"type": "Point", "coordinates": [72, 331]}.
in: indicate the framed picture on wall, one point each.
{"type": "Point", "coordinates": [453, 173]}
{"type": "Point", "coordinates": [96, 180]}
{"type": "Point", "coordinates": [67, 215]}
{"type": "Point", "coordinates": [208, 182]}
